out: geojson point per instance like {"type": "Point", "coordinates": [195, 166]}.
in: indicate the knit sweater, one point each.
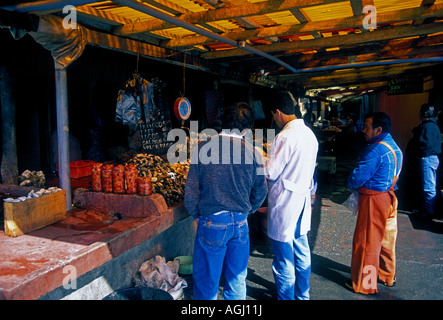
{"type": "Point", "coordinates": [222, 179]}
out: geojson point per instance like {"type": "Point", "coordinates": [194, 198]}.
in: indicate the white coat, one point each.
{"type": "Point", "coordinates": [290, 171]}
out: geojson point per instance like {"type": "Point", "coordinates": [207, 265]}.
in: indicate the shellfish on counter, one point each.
{"type": "Point", "coordinates": [166, 179]}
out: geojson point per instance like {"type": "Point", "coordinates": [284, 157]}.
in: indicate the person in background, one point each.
{"type": "Point", "coordinates": [290, 170]}
{"type": "Point", "coordinates": [222, 188]}
{"type": "Point", "coordinates": [423, 149]}
{"type": "Point", "coordinates": [75, 151]}
{"type": "Point", "coordinates": [350, 124]}
{"type": "Point", "coordinates": [375, 177]}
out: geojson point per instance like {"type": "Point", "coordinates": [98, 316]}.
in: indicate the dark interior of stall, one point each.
{"type": "Point", "coordinates": [94, 81]}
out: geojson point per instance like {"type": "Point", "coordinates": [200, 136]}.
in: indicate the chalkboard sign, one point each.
{"type": "Point", "coordinates": [154, 130]}
{"type": "Point", "coordinates": [405, 85]}
{"type": "Point", "coordinates": [154, 135]}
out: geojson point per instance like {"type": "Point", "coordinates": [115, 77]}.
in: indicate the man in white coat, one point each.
{"type": "Point", "coordinates": [290, 171]}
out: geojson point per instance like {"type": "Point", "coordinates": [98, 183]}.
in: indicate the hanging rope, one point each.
{"type": "Point", "coordinates": [184, 76]}
{"type": "Point", "coordinates": [138, 55]}
{"type": "Point", "coordinates": [138, 45]}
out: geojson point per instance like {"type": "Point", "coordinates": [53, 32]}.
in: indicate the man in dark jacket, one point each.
{"type": "Point", "coordinates": [424, 148]}
{"type": "Point", "coordinates": [223, 186]}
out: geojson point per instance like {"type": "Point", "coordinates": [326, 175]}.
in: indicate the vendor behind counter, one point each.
{"type": "Point", "coordinates": [75, 152]}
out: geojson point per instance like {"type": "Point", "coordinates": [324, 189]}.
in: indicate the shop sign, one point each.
{"type": "Point", "coordinates": [405, 85]}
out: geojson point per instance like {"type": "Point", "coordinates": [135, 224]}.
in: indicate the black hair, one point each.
{"type": "Point", "coordinates": [380, 119]}
{"type": "Point", "coordinates": [238, 115]}
{"type": "Point", "coordinates": [427, 110]}
{"type": "Point", "coordinates": [285, 102]}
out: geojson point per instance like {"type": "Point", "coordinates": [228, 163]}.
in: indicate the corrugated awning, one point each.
{"type": "Point", "coordinates": [301, 33]}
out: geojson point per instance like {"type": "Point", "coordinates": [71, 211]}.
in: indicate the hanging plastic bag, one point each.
{"type": "Point", "coordinates": [135, 101]}
{"type": "Point", "coordinates": [352, 203]}
{"type": "Point", "coordinates": [128, 109]}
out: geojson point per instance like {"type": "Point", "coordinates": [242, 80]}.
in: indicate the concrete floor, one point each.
{"type": "Point", "coordinates": [419, 260]}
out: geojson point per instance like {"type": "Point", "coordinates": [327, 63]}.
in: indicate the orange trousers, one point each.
{"type": "Point", "coordinates": [373, 247]}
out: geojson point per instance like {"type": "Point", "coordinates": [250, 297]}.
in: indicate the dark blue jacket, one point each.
{"type": "Point", "coordinates": [426, 140]}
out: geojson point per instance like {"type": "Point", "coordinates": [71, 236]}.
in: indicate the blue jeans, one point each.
{"type": "Point", "coordinates": [292, 268]}
{"type": "Point", "coordinates": [428, 172]}
{"type": "Point", "coordinates": [221, 244]}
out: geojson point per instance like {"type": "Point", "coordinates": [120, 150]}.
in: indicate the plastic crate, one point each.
{"type": "Point", "coordinates": [81, 168]}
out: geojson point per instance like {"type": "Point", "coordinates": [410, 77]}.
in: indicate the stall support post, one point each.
{"type": "Point", "coordinates": [61, 90]}
{"type": "Point", "coordinates": [9, 165]}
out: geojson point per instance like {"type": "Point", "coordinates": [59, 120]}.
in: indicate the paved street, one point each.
{"type": "Point", "coordinates": [419, 260]}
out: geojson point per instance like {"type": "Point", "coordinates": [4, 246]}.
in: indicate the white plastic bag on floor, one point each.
{"type": "Point", "coordinates": [156, 273]}
{"type": "Point", "coordinates": [352, 203]}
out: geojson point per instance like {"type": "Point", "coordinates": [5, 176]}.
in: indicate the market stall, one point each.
{"type": "Point", "coordinates": [125, 210]}
{"type": "Point", "coordinates": [121, 211]}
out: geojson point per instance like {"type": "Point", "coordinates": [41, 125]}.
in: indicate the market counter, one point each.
{"type": "Point", "coordinates": [62, 259]}
{"type": "Point", "coordinates": [124, 205]}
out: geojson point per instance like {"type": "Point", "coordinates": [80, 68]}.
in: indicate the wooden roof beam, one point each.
{"type": "Point", "coordinates": [389, 50]}
{"type": "Point", "coordinates": [103, 16]}
{"type": "Point", "coordinates": [120, 44]}
{"type": "Point", "coordinates": [357, 7]}
{"type": "Point", "coordinates": [337, 41]}
{"type": "Point", "coordinates": [311, 27]}
{"type": "Point", "coordinates": [168, 6]}
{"type": "Point", "coordinates": [351, 77]}
{"type": "Point", "coordinates": [412, 53]}
{"type": "Point", "coordinates": [224, 13]}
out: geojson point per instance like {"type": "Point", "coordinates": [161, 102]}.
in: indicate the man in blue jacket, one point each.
{"type": "Point", "coordinates": [375, 177]}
